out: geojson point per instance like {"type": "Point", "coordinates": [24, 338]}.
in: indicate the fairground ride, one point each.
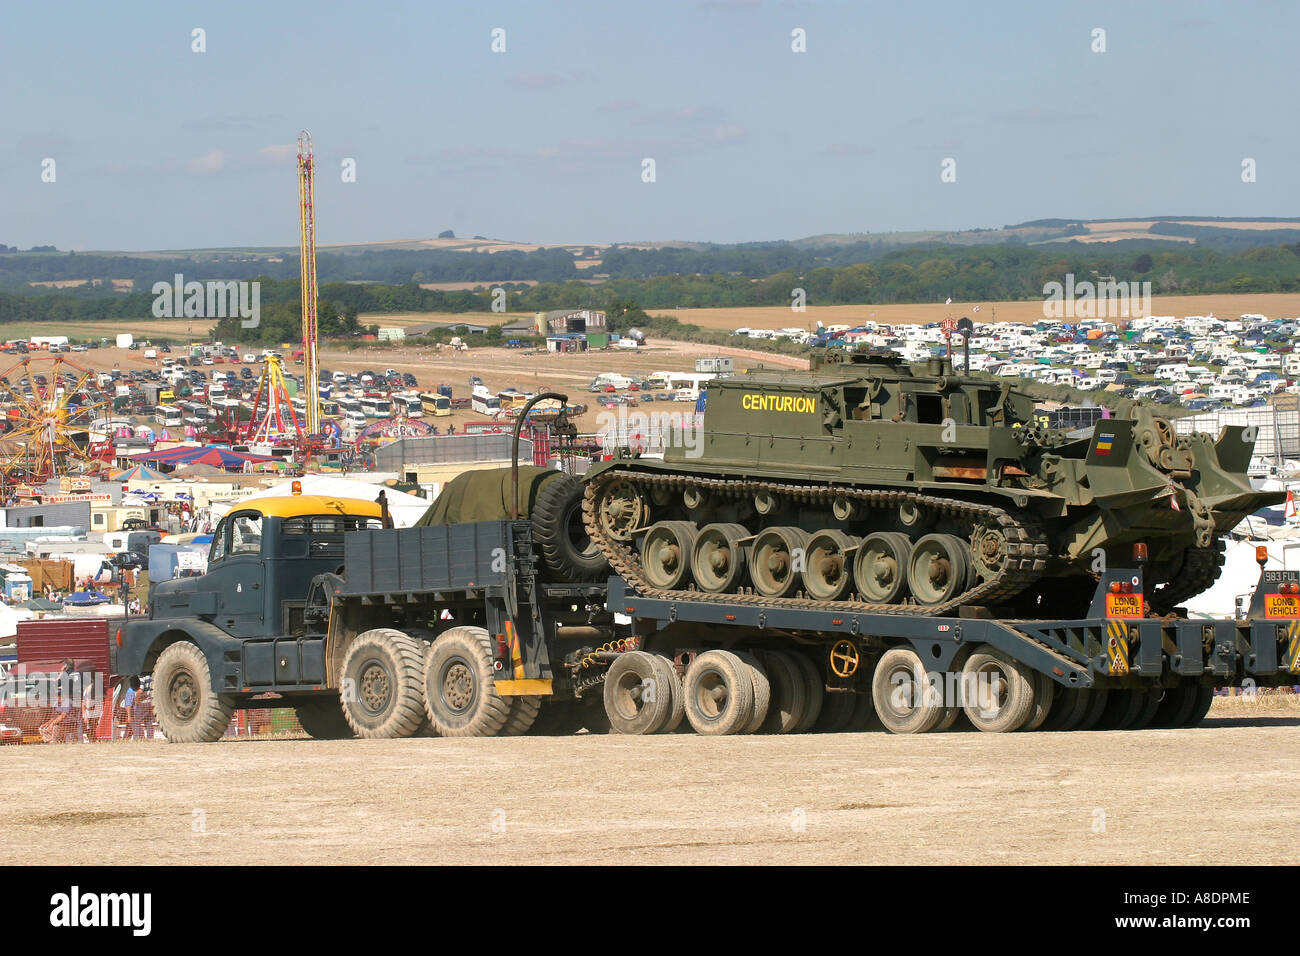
{"type": "Point", "coordinates": [50, 405]}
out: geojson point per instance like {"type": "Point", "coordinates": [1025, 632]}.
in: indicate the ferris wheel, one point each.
{"type": "Point", "coordinates": [49, 405]}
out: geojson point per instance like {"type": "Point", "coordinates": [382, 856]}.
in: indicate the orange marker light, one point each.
{"type": "Point", "coordinates": [1261, 554]}
{"type": "Point", "coordinates": [1140, 551]}
{"type": "Point", "coordinates": [296, 487]}
{"type": "Point", "coordinates": [1114, 587]}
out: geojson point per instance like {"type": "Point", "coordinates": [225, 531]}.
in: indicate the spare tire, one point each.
{"type": "Point", "coordinates": [567, 550]}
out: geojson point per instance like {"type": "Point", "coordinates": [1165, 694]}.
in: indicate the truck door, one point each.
{"type": "Point", "coordinates": [237, 574]}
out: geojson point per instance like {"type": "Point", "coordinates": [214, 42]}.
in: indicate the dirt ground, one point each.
{"type": "Point", "coordinates": [1220, 793]}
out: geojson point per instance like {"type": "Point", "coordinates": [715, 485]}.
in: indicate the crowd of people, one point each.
{"type": "Point", "coordinates": [77, 714]}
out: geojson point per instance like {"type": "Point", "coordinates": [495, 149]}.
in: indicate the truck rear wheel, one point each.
{"type": "Point", "coordinates": [1176, 707]}
{"type": "Point", "coordinates": [837, 713]}
{"type": "Point", "coordinates": [523, 712]}
{"type": "Point", "coordinates": [671, 682]}
{"type": "Point", "coordinates": [189, 711]}
{"type": "Point", "coordinates": [1044, 694]}
{"type": "Point", "coordinates": [567, 549]}
{"type": "Point", "coordinates": [460, 692]}
{"type": "Point", "coordinates": [1068, 708]}
{"type": "Point", "coordinates": [900, 689]}
{"type": "Point", "coordinates": [789, 696]}
{"type": "Point", "coordinates": [636, 699]}
{"type": "Point", "coordinates": [1122, 708]}
{"type": "Point", "coordinates": [1097, 697]}
{"type": "Point", "coordinates": [1002, 690]}
{"type": "Point", "coordinates": [719, 691]}
{"type": "Point", "coordinates": [324, 720]}
{"type": "Point", "coordinates": [1151, 697]}
{"type": "Point", "coordinates": [382, 692]}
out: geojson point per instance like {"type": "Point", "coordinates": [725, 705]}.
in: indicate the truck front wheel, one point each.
{"type": "Point", "coordinates": [381, 687]}
{"type": "Point", "coordinates": [189, 710]}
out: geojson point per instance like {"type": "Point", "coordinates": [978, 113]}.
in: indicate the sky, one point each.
{"type": "Point", "coordinates": [157, 146]}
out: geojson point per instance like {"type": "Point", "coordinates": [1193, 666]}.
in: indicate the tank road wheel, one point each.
{"type": "Point", "coordinates": [828, 570]}
{"type": "Point", "coordinates": [719, 692]}
{"type": "Point", "coordinates": [814, 686]}
{"type": "Point", "coordinates": [383, 695]}
{"type": "Point", "coordinates": [567, 549]}
{"type": "Point", "coordinates": [460, 691]}
{"type": "Point", "coordinates": [880, 567]}
{"type": "Point", "coordinates": [913, 517]}
{"type": "Point", "coordinates": [1176, 707]}
{"type": "Point", "coordinates": [762, 690]}
{"type": "Point", "coordinates": [1044, 694]}
{"type": "Point", "coordinates": [666, 554]}
{"type": "Point", "coordinates": [1097, 700]}
{"type": "Point", "coordinates": [789, 694]}
{"type": "Point", "coordinates": [635, 699]}
{"type": "Point", "coordinates": [775, 560]}
{"type": "Point", "coordinates": [905, 700]}
{"type": "Point", "coordinates": [523, 713]}
{"type": "Point", "coordinates": [323, 719]}
{"type": "Point", "coordinates": [1200, 706]}
{"type": "Point", "coordinates": [938, 568]}
{"type": "Point", "coordinates": [999, 691]}
{"type": "Point", "coordinates": [718, 560]}
{"type": "Point", "coordinates": [189, 710]}
{"type": "Point", "coordinates": [620, 510]}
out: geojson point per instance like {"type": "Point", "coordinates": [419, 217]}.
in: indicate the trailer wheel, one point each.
{"type": "Point", "coordinates": [1200, 706]}
{"type": "Point", "coordinates": [671, 682]}
{"type": "Point", "coordinates": [1176, 707]}
{"type": "Point", "coordinates": [1068, 708]}
{"type": "Point", "coordinates": [383, 697]}
{"type": "Point", "coordinates": [789, 695]}
{"type": "Point", "coordinates": [1044, 694]}
{"type": "Point", "coordinates": [814, 690]}
{"type": "Point", "coordinates": [189, 710]}
{"type": "Point", "coordinates": [837, 713]}
{"type": "Point", "coordinates": [762, 690]}
{"type": "Point", "coordinates": [523, 712]}
{"type": "Point", "coordinates": [1097, 698]}
{"type": "Point", "coordinates": [1151, 698]}
{"type": "Point", "coordinates": [635, 699]}
{"type": "Point", "coordinates": [1002, 690]}
{"type": "Point", "coordinates": [951, 715]}
{"type": "Point", "coordinates": [324, 720]}
{"type": "Point", "coordinates": [558, 531]}
{"type": "Point", "coordinates": [460, 691]}
{"type": "Point", "coordinates": [905, 701]}
{"type": "Point", "coordinates": [719, 691]}
{"type": "Point", "coordinates": [1122, 709]}
{"type": "Point", "coordinates": [864, 714]}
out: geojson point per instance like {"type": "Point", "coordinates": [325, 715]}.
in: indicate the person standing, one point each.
{"type": "Point", "coordinates": [131, 729]}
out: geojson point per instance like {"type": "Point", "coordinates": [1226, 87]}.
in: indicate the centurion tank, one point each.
{"type": "Point", "coordinates": [861, 485]}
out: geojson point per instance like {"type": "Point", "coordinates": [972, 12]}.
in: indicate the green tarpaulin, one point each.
{"type": "Point", "coordinates": [485, 496]}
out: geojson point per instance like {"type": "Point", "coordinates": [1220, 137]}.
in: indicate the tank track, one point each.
{"type": "Point", "coordinates": [1023, 555]}
{"type": "Point", "coordinates": [1201, 568]}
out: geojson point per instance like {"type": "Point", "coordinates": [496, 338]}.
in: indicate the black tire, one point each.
{"type": "Point", "coordinates": [864, 714]}
{"type": "Point", "coordinates": [567, 550]}
{"type": "Point", "coordinates": [814, 690]}
{"type": "Point", "coordinates": [951, 715]}
{"type": "Point", "coordinates": [523, 712]}
{"type": "Point", "coordinates": [383, 687]}
{"type": "Point", "coordinates": [1151, 699]}
{"type": "Point", "coordinates": [1044, 694]}
{"type": "Point", "coordinates": [762, 690]}
{"type": "Point", "coordinates": [1097, 700]}
{"type": "Point", "coordinates": [635, 702]}
{"type": "Point", "coordinates": [719, 694]}
{"type": "Point", "coordinates": [1176, 707]}
{"type": "Point", "coordinates": [905, 701]}
{"type": "Point", "coordinates": [324, 720]}
{"type": "Point", "coordinates": [789, 695]}
{"type": "Point", "coordinates": [836, 713]}
{"type": "Point", "coordinates": [1068, 709]}
{"type": "Point", "coordinates": [189, 711]}
{"type": "Point", "coordinates": [559, 718]}
{"type": "Point", "coordinates": [1001, 707]}
{"type": "Point", "coordinates": [671, 682]}
{"type": "Point", "coordinates": [460, 692]}
{"type": "Point", "coordinates": [1200, 706]}
{"type": "Point", "coordinates": [1122, 709]}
